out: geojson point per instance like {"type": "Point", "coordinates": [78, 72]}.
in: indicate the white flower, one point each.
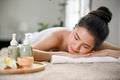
{"type": "Point", "coordinates": [7, 61]}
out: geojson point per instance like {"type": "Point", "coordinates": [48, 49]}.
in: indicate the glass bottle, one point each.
{"type": "Point", "coordinates": [13, 49]}
{"type": "Point", "coordinates": [26, 49]}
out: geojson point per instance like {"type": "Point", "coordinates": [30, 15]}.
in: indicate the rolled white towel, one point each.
{"type": "Point", "coordinates": [63, 59]}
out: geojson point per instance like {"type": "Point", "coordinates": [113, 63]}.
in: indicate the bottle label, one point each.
{"type": "Point", "coordinates": [13, 52]}
{"type": "Point", "coordinates": [26, 51]}
{"type": "Point", "coordinates": [10, 52]}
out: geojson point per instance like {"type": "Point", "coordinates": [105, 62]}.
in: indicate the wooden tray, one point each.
{"type": "Point", "coordinates": [37, 66]}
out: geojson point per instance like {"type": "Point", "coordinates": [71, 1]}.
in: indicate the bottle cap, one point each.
{"type": "Point", "coordinates": [13, 42]}
{"type": "Point", "coordinates": [26, 41]}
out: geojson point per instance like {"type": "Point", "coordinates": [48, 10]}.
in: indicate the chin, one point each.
{"type": "Point", "coordinates": [70, 51]}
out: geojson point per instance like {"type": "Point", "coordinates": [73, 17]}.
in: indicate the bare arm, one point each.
{"type": "Point", "coordinates": [46, 55]}
{"type": "Point", "coordinates": [107, 45]}
{"type": "Point", "coordinates": [41, 55]}
{"type": "Point", "coordinates": [107, 49]}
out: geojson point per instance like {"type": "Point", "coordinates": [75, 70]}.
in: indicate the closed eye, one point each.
{"type": "Point", "coordinates": [75, 37]}
{"type": "Point", "coordinates": [86, 46]}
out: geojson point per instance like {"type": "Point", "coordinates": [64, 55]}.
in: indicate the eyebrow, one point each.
{"type": "Point", "coordinates": [77, 35]}
{"type": "Point", "coordinates": [80, 39]}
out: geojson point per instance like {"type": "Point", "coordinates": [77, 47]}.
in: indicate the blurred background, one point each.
{"type": "Point", "coordinates": [21, 16]}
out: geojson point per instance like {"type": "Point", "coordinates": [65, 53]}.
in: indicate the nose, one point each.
{"type": "Point", "coordinates": [77, 47]}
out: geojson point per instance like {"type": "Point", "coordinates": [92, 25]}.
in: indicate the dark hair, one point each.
{"type": "Point", "coordinates": [96, 22]}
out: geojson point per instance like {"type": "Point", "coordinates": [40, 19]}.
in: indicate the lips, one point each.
{"type": "Point", "coordinates": [72, 50]}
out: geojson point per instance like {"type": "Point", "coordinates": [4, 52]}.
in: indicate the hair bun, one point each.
{"type": "Point", "coordinates": [104, 13]}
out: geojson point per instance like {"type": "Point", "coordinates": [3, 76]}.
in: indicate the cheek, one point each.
{"type": "Point", "coordinates": [71, 40]}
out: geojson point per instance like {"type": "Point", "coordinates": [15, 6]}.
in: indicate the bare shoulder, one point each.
{"type": "Point", "coordinates": [61, 31]}
{"type": "Point", "coordinates": [53, 40]}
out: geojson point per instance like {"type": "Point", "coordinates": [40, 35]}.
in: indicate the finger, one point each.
{"type": "Point", "coordinates": [87, 55]}
{"type": "Point", "coordinates": [95, 55]}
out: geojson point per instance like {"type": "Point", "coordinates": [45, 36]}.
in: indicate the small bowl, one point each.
{"type": "Point", "coordinates": [25, 61]}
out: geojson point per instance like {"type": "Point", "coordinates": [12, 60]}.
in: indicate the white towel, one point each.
{"type": "Point", "coordinates": [63, 59]}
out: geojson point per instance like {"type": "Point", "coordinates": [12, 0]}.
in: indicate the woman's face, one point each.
{"type": "Point", "coordinates": [80, 41]}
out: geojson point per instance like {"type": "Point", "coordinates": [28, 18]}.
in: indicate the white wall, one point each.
{"type": "Point", "coordinates": [0, 18]}
{"type": "Point", "coordinates": [14, 12]}
{"type": "Point", "coordinates": [119, 22]}
{"type": "Point", "coordinates": [113, 5]}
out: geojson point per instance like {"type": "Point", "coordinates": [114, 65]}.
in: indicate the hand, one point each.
{"type": "Point", "coordinates": [70, 55]}
{"type": "Point", "coordinates": [100, 53]}
{"type": "Point", "coordinates": [75, 55]}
